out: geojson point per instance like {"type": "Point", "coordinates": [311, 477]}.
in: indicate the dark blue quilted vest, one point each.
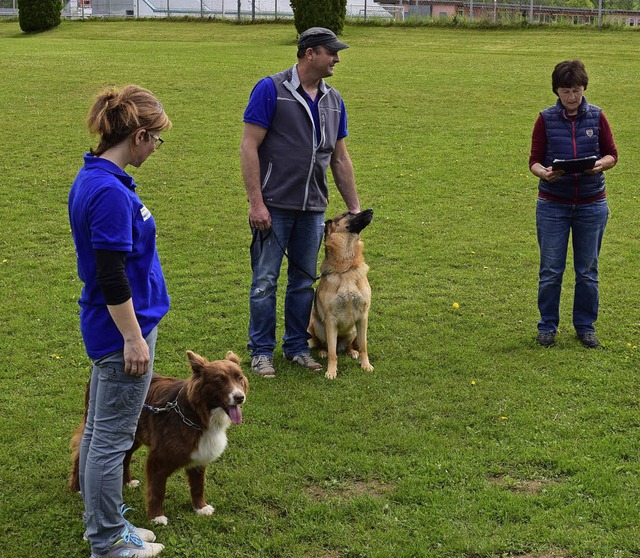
{"type": "Point", "coordinates": [571, 140]}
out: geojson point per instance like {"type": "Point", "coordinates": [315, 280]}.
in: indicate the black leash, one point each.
{"type": "Point", "coordinates": [256, 232]}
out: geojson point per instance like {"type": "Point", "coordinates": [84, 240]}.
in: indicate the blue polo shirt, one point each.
{"type": "Point", "coordinates": [106, 213]}
{"type": "Point", "coordinates": [263, 101]}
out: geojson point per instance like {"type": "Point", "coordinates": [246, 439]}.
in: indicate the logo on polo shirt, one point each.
{"type": "Point", "coordinates": [589, 133]}
{"type": "Point", "coordinates": [146, 214]}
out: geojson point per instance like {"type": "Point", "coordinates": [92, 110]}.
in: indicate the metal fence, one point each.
{"type": "Point", "coordinates": [238, 9]}
{"type": "Point", "coordinates": [528, 11]}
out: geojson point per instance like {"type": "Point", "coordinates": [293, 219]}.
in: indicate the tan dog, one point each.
{"type": "Point", "coordinates": [340, 312]}
{"type": "Point", "coordinates": [184, 424]}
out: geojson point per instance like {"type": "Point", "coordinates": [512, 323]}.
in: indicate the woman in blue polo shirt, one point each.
{"type": "Point", "coordinates": [123, 299]}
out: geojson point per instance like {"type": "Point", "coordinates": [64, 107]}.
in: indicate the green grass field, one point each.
{"type": "Point", "coordinates": [468, 440]}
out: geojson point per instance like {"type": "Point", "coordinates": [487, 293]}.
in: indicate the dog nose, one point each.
{"type": "Point", "coordinates": [238, 398]}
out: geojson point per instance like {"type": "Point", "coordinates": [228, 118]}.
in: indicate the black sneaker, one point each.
{"type": "Point", "coordinates": [589, 340]}
{"type": "Point", "coordinates": [547, 338]}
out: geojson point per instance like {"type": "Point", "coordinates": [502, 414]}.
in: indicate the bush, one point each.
{"type": "Point", "coordinates": [38, 15]}
{"type": "Point", "coordinates": [319, 13]}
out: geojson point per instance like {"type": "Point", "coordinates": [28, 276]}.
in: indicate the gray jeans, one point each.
{"type": "Point", "coordinates": [115, 403]}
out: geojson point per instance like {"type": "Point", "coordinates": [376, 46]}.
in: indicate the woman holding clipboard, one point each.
{"type": "Point", "coordinates": [571, 146]}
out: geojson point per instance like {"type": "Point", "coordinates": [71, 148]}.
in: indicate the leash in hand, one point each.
{"type": "Point", "coordinates": [261, 236]}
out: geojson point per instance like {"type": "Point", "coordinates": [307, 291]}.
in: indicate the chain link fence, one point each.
{"type": "Point", "coordinates": [529, 11]}
{"type": "Point", "coordinates": [238, 9]}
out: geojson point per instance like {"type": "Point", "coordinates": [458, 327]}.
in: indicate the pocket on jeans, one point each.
{"type": "Point", "coordinates": [124, 395]}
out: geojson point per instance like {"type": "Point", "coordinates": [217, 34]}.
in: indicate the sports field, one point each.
{"type": "Point", "coordinates": [468, 440]}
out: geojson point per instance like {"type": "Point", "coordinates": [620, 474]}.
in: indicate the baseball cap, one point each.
{"type": "Point", "coordinates": [316, 36]}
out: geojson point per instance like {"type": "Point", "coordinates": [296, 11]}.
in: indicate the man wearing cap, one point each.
{"type": "Point", "coordinates": [294, 130]}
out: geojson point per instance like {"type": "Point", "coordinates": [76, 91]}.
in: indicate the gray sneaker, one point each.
{"type": "Point", "coordinates": [263, 366]}
{"type": "Point", "coordinates": [306, 361]}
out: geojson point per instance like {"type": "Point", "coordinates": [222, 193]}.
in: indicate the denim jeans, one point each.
{"type": "Point", "coordinates": [115, 403]}
{"type": "Point", "coordinates": [300, 233]}
{"type": "Point", "coordinates": [586, 222]}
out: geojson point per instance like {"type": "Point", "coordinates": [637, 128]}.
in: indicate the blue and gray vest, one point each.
{"type": "Point", "coordinates": [293, 164]}
{"type": "Point", "coordinates": [567, 139]}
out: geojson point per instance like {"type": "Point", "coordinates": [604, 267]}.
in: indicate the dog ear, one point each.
{"type": "Point", "coordinates": [196, 361]}
{"type": "Point", "coordinates": [233, 357]}
{"type": "Point", "coordinates": [327, 226]}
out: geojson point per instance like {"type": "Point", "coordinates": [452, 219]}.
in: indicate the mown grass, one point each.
{"type": "Point", "coordinates": [468, 440]}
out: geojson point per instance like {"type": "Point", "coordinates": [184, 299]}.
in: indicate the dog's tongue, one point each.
{"type": "Point", "coordinates": [235, 414]}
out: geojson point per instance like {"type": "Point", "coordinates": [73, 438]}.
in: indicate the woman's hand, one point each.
{"type": "Point", "coordinates": [607, 162]}
{"type": "Point", "coordinates": [136, 357]}
{"type": "Point", "coordinates": [546, 173]}
{"type": "Point", "coordinates": [136, 349]}
{"type": "Point", "coordinates": [597, 168]}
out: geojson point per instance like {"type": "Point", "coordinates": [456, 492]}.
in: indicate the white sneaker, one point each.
{"type": "Point", "coordinates": [131, 546]}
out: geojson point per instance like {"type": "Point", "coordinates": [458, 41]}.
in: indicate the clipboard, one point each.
{"type": "Point", "coordinates": [574, 165]}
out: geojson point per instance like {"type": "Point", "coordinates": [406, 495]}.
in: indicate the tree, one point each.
{"type": "Point", "coordinates": [38, 15]}
{"type": "Point", "coordinates": [319, 13]}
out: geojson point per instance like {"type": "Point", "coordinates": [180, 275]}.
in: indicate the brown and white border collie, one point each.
{"type": "Point", "coordinates": [184, 425]}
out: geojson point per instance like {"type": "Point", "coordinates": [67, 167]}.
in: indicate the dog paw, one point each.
{"type": "Point", "coordinates": [133, 483]}
{"type": "Point", "coordinates": [366, 366]}
{"type": "Point", "coordinates": [160, 520]}
{"type": "Point", "coordinates": [331, 374]}
{"type": "Point", "coordinates": [207, 510]}
{"type": "Point", "coordinates": [353, 354]}
{"type": "Point", "coordinates": [323, 354]}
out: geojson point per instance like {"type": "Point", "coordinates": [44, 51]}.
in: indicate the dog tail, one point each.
{"type": "Point", "coordinates": [74, 444]}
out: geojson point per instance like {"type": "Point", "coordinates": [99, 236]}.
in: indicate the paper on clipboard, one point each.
{"type": "Point", "coordinates": [574, 165]}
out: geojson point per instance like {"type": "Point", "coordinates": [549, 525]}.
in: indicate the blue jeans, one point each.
{"type": "Point", "coordinates": [586, 222]}
{"type": "Point", "coordinates": [300, 233]}
{"type": "Point", "coordinates": [115, 403]}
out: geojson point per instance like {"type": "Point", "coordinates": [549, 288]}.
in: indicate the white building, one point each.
{"type": "Point", "coordinates": [222, 8]}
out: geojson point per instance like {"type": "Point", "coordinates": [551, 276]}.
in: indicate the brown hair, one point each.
{"type": "Point", "coordinates": [117, 113]}
{"type": "Point", "coordinates": [570, 73]}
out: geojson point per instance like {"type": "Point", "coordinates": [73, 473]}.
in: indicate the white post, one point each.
{"type": "Point", "coordinates": [599, 13]}
{"type": "Point", "coordinates": [531, 12]}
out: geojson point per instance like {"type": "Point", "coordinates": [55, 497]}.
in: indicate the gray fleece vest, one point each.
{"type": "Point", "coordinates": [293, 165]}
